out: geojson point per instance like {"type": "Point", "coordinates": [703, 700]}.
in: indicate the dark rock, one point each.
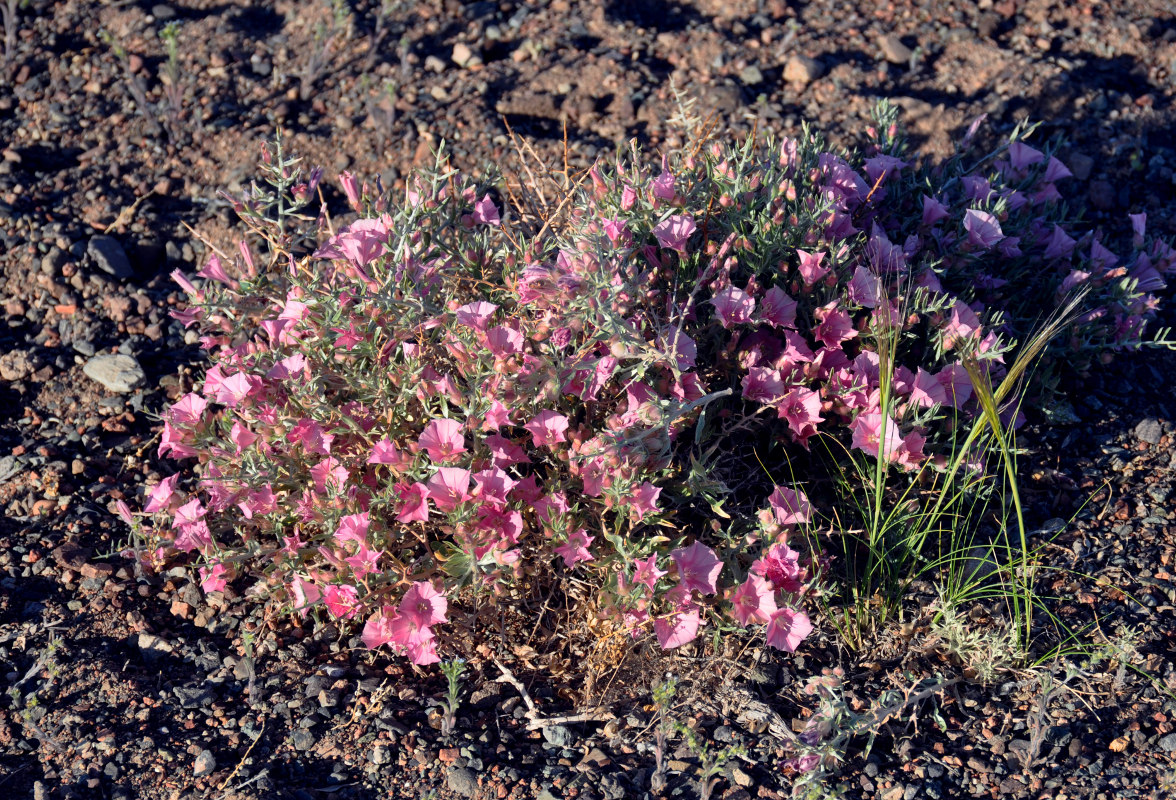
{"type": "Point", "coordinates": [463, 782]}
{"type": "Point", "coordinates": [1149, 431]}
{"type": "Point", "coordinates": [108, 255]}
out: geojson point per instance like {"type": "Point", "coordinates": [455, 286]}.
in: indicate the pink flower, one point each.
{"type": "Point", "coordinates": [234, 389]}
{"type": "Point", "coordinates": [790, 506]}
{"type": "Point", "coordinates": [763, 385]}
{"type": "Point", "coordinates": [780, 566]}
{"type": "Point", "coordinates": [423, 606]}
{"type": "Point", "coordinates": [385, 451]}
{"type": "Point", "coordinates": [644, 501]}
{"type": "Point", "coordinates": [698, 567]}
{"type": "Point", "coordinates": [329, 473]}
{"type": "Point", "coordinates": [646, 571]}
{"type": "Point", "coordinates": [493, 485]}
{"type": "Point", "coordinates": [288, 367]}
{"type": "Point", "coordinates": [927, 391]}
{"type": "Point", "coordinates": [312, 437]}
{"type": "Point", "coordinates": [810, 266]}
{"type": "Point", "coordinates": [378, 630]}
{"type": "Point", "coordinates": [864, 288]}
{"type": "Point", "coordinates": [983, 228]}
{"type": "Point", "coordinates": [956, 383]}
{"type": "Point", "coordinates": [778, 309]}
{"type": "Point", "coordinates": [448, 487]}
{"type": "Point", "coordinates": [834, 326]}
{"type": "Point", "coordinates": [505, 452]}
{"type": "Point", "coordinates": [476, 315]}
{"type": "Point", "coordinates": [616, 231]}
{"type": "Point", "coordinates": [161, 494]}
{"type": "Point", "coordinates": [305, 594]}
{"type": "Point", "coordinates": [787, 628]}
{"type": "Point", "coordinates": [241, 436]}
{"type": "Point", "coordinates": [503, 341]}
{"type": "Point", "coordinates": [258, 501]}
{"type": "Point", "coordinates": [187, 411]}
{"type": "Point", "coordinates": [342, 600]}
{"type": "Point", "coordinates": [364, 562]}
{"type": "Point", "coordinates": [495, 417]}
{"type": "Point", "coordinates": [423, 653]}
{"type": "Point", "coordinates": [1100, 256]}
{"type": "Point", "coordinates": [910, 452]}
{"type": "Point", "coordinates": [350, 188]}
{"type": "Point", "coordinates": [486, 213]}
{"type": "Point", "coordinates": [677, 629]}
{"type": "Point", "coordinates": [216, 271]}
{"type": "Point", "coordinates": [442, 440]}
{"type": "Point", "coordinates": [353, 528]}
{"type": "Point", "coordinates": [754, 602]}
{"type": "Point", "coordinates": [734, 306]}
{"type": "Point", "coordinates": [548, 429]}
{"type": "Point", "coordinates": [869, 429]}
{"type": "Point", "coordinates": [213, 580]}
{"type": "Point", "coordinates": [674, 232]}
{"type": "Point", "coordinates": [413, 503]}
{"type": "Point", "coordinates": [802, 409]}
{"type": "Point", "coordinates": [964, 324]}
{"type": "Point", "coordinates": [663, 185]}
{"type": "Point", "coordinates": [576, 548]}
{"type": "Point", "coordinates": [628, 197]}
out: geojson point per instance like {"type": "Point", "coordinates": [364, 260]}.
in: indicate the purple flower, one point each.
{"type": "Point", "coordinates": [933, 210]}
{"type": "Point", "coordinates": [778, 309]}
{"type": "Point", "coordinates": [983, 228]}
{"type": "Point", "coordinates": [698, 567]}
{"type": "Point", "coordinates": [485, 212]}
{"type": "Point", "coordinates": [734, 306]}
{"type": "Point", "coordinates": [674, 232]}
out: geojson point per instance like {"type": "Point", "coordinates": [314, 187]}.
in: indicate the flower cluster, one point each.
{"type": "Point", "coordinates": [429, 405]}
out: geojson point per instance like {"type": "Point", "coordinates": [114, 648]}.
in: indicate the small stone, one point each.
{"type": "Point", "coordinates": [802, 70]}
{"type": "Point", "coordinates": [595, 758]}
{"type": "Point", "coordinates": [1102, 195]}
{"type": "Point", "coordinates": [434, 64]}
{"type": "Point", "coordinates": [302, 739]}
{"type": "Point", "coordinates": [118, 373]}
{"type": "Point", "coordinates": [380, 755]}
{"type": "Point", "coordinates": [558, 735]}
{"type": "Point", "coordinates": [740, 777]}
{"type": "Point", "coordinates": [108, 255]}
{"type": "Point", "coordinates": [1080, 165]}
{"type": "Point", "coordinates": [71, 556]}
{"type": "Point", "coordinates": [205, 764]}
{"type": "Point", "coordinates": [99, 570]}
{"type": "Point", "coordinates": [463, 782]}
{"type": "Point", "coordinates": [1168, 743]}
{"type": "Point", "coordinates": [894, 51]}
{"type": "Point", "coordinates": [1149, 431]}
{"type": "Point", "coordinates": [16, 365]}
{"type": "Point", "coordinates": [53, 261]}
{"type": "Point", "coordinates": [40, 791]}
{"type": "Point", "coordinates": [163, 13]}
{"type": "Point", "coordinates": [153, 648]}
{"type": "Point", "coordinates": [751, 75]}
{"type": "Point", "coordinates": [462, 54]}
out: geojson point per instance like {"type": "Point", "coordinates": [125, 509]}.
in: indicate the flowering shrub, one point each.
{"type": "Point", "coordinates": [426, 404]}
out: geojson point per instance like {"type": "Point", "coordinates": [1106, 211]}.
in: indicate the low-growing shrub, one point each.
{"type": "Point", "coordinates": [442, 397]}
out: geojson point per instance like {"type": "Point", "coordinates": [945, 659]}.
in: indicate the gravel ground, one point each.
{"type": "Point", "coordinates": [122, 685]}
